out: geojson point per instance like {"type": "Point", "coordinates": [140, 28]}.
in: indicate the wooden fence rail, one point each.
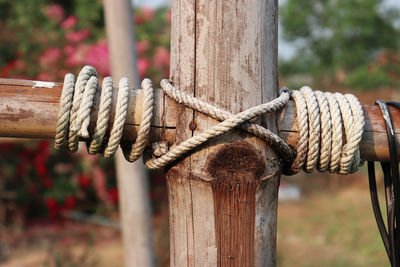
{"type": "Point", "coordinates": [29, 109]}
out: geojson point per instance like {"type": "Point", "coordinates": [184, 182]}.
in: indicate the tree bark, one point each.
{"type": "Point", "coordinates": [134, 203]}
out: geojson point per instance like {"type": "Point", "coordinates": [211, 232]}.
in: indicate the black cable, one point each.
{"type": "Point", "coordinates": [390, 236]}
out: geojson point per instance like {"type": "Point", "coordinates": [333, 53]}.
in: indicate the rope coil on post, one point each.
{"type": "Point", "coordinates": [320, 118]}
{"type": "Point", "coordinates": [321, 131]}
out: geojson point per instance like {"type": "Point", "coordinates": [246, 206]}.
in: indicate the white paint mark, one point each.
{"type": "Point", "coordinates": [43, 84]}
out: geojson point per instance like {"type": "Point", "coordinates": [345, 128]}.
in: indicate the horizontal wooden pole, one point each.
{"type": "Point", "coordinates": [29, 109]}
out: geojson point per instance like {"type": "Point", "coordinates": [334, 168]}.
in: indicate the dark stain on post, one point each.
{"type": "Point", "coordinates": [235, 163]}
{"type": "Point", "coordinates": [237, 168]}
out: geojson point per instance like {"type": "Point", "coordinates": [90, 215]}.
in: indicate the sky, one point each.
{"type": "Point", "coordinates": [286, 50]}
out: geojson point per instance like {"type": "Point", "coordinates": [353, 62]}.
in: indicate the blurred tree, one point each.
{"type": "Point", "coordinates": [44, 40]}
{"type": "Point", "coordinates": [337, 34]}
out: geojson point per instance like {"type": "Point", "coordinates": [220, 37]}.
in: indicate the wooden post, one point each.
{"type": "Point", "coordinates": [223, 198]}
{"type": "Point", "coordinates": [135, 213]}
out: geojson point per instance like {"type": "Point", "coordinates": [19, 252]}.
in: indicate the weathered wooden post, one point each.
{"type": "Point", "coordinates": [133, 188]}
{"type": "Point", "coordinates": [223, 198]}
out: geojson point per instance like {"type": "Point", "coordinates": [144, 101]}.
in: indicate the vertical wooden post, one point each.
{"type": "Point", "coordinates": [223, 197]}
{"type": "Point", "coordinates": [132, 179]}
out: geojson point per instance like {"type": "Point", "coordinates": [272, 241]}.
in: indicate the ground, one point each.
{"type": "Point", "coordinates": [331, 225]}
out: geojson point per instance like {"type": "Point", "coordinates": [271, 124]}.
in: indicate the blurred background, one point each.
{"type": "Point", "coordinates": [61, 209]}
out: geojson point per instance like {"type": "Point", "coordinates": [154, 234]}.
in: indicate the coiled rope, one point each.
{"type": "Point", "coordinates": [320, 118]}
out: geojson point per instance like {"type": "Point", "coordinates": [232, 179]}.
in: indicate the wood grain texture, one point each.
{"type": "Point", "coordinates": [27, 110]}
{"type": "Point", "coordinates": [219, 55]}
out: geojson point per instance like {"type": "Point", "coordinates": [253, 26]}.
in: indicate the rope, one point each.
{"type": "Point", "coordinates": [320, 118]}
{"type": "Point", "coordinates": [219, 114]}
{"type": "Point", "coordinates": [320, 133]}
{"type": "Point", "coordinates": [75, 106]}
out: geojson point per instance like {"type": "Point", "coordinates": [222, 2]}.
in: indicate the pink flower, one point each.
{"type": "Point", "coordinates": [148, 13]}
{"type": "Point", "coordinates": [145, 14]}
{"type": "Point", "coordinates": [143, 65]}
{"type": "Point", "coordinates": [84, 181]}
{"type": "Point", "coordinates": [69, 49]}
{"type": "Point", "coordinates": [50, 56]}
{"type": "Point", "coordinates": [169, 16]}
{"type": "Point", "coordinates": [19, 64]}
{"type": "Point", "coordinates": [75, 55]}
{"type": "Point", "coordinates": [45, 76]}
{"type": "Point", "coordinates": [47, 182]}
{"type": "Point", "coordinates": [78, 36]}
{"type": "Point", "coordinates": [55, 12]}
{"type": "Point", "coordinates": [161, 57]}
{"type": "Point", "coordinates": [8, 68]}
{"type": "Point", "coordinates": [98, 57]}
{"type": "Point", "coordinates": [113, 195]}
{"type": "Point", "coordinates": [142, 46]}
{"type": "Point", "coordinates": [69, 22]}
{"type": "Point", "coordinates": [69, 202]}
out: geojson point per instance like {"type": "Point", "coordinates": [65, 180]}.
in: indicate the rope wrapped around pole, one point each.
{"type": "Point", "coordinates": [320, 118]}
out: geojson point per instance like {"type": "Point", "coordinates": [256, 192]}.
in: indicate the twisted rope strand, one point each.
{"type": "Point", "coordinates": [144, 130]}
{"type": "Point", "coordinates": [65, 111]}
{"type": "Point", "coordinates": [336, 132]}
{"type": "Point", "coordinates": [80, 85]}
{"type": "Point", "coordinates": [357, 132]}
{"type": "Point", "coordinates": [302, 122]}
{"type": "Point", "coordinates": [102, 117]}
{"type": "Point", "coordinates": [326, 131]}
{"type": "Point", "coordinates": [120, 117]}
{"type": "Point", "coordinates": [314, 128]}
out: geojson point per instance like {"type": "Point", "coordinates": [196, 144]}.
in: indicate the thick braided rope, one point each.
{"type": "Point", "coordinates": [326, 131]}
{"type": "Point", "coordinates": [65, 111]}
{"type": "Point", "coordinates": [217, 130]}
{"type": "Point", "coordinates": [356, 133]}
{"type": "Point", "coordinates": [102, 117]}
{"type": "Point", "coordinates": [336, 119]}
{"type": "Point", "coordinates": [314, 128]}
{"type": "Point", "coordinates": [335, 111]}
{"type": "Point", "coordinates": [120, 117]}
{"type": "Point", "coordinates": [302, 121]}
{"type": "Point", "coordinates": [320, 118]}
{"type": "Point", "coordinates": [80, 86]}
{"type": "Point", "coordinates": [353, 121]}
{"type": "Point", "coordinates": [144, 130]}
{"type": "Point", "coordinates": [219, 114]}
{"type": "Point", "coordinates": [75, 107]}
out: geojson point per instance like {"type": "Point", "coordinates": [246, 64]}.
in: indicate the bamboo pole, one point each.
{"type": "Point", "coordinates": [133, 188]}
{"type": "Point", "coordinates": [28, 109]}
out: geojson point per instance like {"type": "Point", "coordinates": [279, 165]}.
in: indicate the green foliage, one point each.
{"type": "Point", "coordinates": [364, 78]}
{"type": "Point", "coordinates": [340, 35]}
